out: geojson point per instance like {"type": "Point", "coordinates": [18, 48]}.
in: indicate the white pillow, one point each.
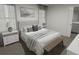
{"type": "Point", "coordinates": [43, 30]}
{"type": "Point", "coordinates": [27, 29]}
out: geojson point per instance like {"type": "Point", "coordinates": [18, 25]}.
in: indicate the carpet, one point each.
{"type": "Point", "coordinates": [20, 48]}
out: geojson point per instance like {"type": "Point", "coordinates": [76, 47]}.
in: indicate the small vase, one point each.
{"type": "Point", "coordinates": [10, 29]}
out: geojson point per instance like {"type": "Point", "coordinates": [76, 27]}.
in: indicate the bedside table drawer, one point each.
{"type": "Point", "coordinates": [10, 39]}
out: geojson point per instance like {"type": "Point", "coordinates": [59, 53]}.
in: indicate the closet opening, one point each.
{"type": "Point", "coordinates": [75, 22]}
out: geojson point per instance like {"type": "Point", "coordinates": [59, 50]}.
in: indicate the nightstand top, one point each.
{"type": "Point", "coordinates": [13, 32]}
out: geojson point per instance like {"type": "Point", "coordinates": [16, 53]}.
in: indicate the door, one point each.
{"type": "Point", "coordinates": [69, 21]}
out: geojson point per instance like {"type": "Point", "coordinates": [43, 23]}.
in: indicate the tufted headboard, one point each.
{"type": "Point", "coordinates": [22, 24]}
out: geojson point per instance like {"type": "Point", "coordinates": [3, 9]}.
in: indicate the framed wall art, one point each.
{"type": "Point", "coordinates": [27, 12]}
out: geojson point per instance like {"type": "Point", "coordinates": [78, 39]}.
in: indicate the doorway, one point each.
{"type": "Point", "coordinates": [75, 22]}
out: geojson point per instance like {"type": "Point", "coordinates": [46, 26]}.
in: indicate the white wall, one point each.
{"type": "Point", "coordinates": [34, 7]}
{"type": "Point", "coordinates": [59, 18]}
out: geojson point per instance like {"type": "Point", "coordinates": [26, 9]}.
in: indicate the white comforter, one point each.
{"type": "Point", "coordinates": [36, 41]}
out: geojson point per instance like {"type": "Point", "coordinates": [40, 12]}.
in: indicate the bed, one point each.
{"type": "Point", "coordinates": [43, 39]}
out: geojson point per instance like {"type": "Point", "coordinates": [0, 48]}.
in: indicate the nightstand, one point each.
{"type": "Point", "coordinates": [10, 37]}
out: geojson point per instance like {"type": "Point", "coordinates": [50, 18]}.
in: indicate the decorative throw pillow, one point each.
{"type": "Point", "coordinates": [44, 25]}
{"type": "Point", "coordinates": [28, 29]}
{"type": "Point", "coordinates": [39, 27]}
{"type": "Point", "coordinates": [35, 27]}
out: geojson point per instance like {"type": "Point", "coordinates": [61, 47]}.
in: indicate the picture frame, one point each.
{"type": "Point", "coordinates": [27, 12]}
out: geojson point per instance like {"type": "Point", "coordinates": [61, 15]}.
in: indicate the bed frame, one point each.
{"type": "Point", "coordinates": [21, 24]}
